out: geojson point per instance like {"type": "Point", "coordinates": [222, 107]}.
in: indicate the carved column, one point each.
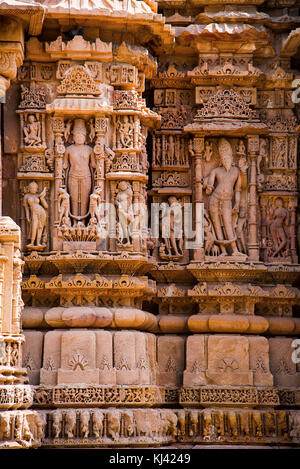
{"type": "Point", "coordinates": [100, 130]}
{"type": "Point", "coordinates": [18, 425]}
{"type": "Point", "coordinates": [253, 150]}
{"type": "Point", "coordinates": [11, 57]}
{"type": "Point", "coordinates": [136, 233]}
{"type": "Point", "coordinates": [292, 206]}
{"type": "Point", "coordinates": [197, 149]}
{"type": "Point", "coordinates": [59, 150]}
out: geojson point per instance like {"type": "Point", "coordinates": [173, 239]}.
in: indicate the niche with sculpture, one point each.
{"type": "Point", "coordinates": [79, 196]}
{"type": "Point", "coordinates": [35, 205]}
{"type": "Point", "coordinates": [278, 220]}
{"type": "Point", "coordinates": [225, 198]}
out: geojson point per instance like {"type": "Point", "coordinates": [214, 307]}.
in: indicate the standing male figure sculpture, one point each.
{"type": "Point", "coordinates": [79, 163]}
{"type": "Point", "coordinates": [228, 184]}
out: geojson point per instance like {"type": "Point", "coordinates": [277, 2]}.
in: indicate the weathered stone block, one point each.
{"type": "Point", "coordinates": [170, 354]}
{"type": "Point", "coordinates": [194, 373]}
{"type": "Point", "coordinates": [281, 363]}
{"type": "Point", "coordinates": [259, 361]}
{"type": "Point", "coordinates": [52, 357]}
{"type": "Point", "coordinates": [78, 358]}
{"type": "Point", "coordinates": [228, 360]}
{"type": "Point", "coordinates": [32, 355]}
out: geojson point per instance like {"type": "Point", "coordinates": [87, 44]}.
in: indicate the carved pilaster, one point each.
{"type": "Point", "coordinates": [253, 150]}
{"type": "Point", "coordinates": [197, 150]}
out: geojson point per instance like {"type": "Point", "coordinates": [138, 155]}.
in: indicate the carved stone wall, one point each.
{"type": "Point", "coordinates": [179, 332]}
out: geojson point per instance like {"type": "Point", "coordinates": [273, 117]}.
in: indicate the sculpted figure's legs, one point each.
{"type": "Point", "coordinates": [79, 190]}
{"type": "Point", "coordinates": [214, 212]}
{"type": "Point", "coordinates": [173, 244]}
{"type": "Point", "coordinates": [228, 224]}
{"type": "Point", "coordinates": [168, 246]}
{"type": "Point", "coordinates": [280, 242]}
{"type": "Point", "coordinates": [39, 235]}
{"type": "Point", "coordinates": [34, 227]}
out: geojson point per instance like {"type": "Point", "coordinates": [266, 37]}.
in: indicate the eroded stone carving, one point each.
{"type": "Point", "coordinates": [36, 207]}
{"type": "Point", "coordinates": [222, 212]}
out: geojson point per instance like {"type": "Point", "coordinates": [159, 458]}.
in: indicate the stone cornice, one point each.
{"type": "Point", "coordinates": [32, 13]}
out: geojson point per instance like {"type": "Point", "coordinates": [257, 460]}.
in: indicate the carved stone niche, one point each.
{"type": "Point", "coordinates": [32, 111]}
{"type": "Point", "coordinates": [79, 188]}
{"type": "Point", "coordinates": [168, 230]}
{"type": "Point", "coordinates": [35, 221]}
{"type": "Point", "coordinates": [278, 230]}
{"type": "Point", "coordinates": [170, 150]}
{"type": "Point", "coordinates": [225, 197]}
{"type": "Point", "coordinates": [283, 152]}
{"type": "Point", "coordinates": [128, 216]}
{"type": "Point", "coordinates": [173, 97]}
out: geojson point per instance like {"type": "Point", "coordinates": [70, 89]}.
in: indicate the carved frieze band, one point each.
{"type": "Point", "coordinates": [94, 427]}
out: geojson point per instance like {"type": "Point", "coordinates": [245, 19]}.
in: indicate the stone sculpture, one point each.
{"type": "Point", "coordinates": [32, 132]}
{"type": "Point", "coordinates": [36, 215]}
{"type": "Point", "coordinates": [79, 163]}
{"type": "Point", "coordinates": [228, 185]}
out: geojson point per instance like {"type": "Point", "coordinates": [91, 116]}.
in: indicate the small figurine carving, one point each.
{"type": "Point", "coordinates": [113, 424]}
{"type": "Point", "coordinates": [208, 151]}
{"type": "Point", "coordinates": [257, 424]}
{"type": "Point", "coordinates": [5, 426]}
{"type": "Point", "coordinates": [171, 228]}
{"type": "Point", "coordinates": [32, 132]}
{"type": "Point", "coordinates": [169, 422]}
{"type": "Point", "coordinates": [84, 423]}
{"type": "Point", "coordinates": [241, 149]}
{"type": "Point", "coordinates": [263, 155]}
{"type": "Point", "coordinates": [125, 132]}
{"type": "Point", "coordinates": [245, 429]}
{"type": "Point", "coordinates": [56, 423]}
{"type": "Point", "coordinates": [97, 420]}
{"type": "Point", "coordinates": [63, 205]}
{"type": "Point", "coordinates": [128, 423]}
{"type": "Point", "coordinates": [14, 355]}
{"type": "Point", "coordinates": [123, 202]}
{"type": "Point", "coordinates": [70, 423]}
{"type": "Point", "coordinates": [207, 424]}
{"type": "Point", "coordinates": [193, 423]}
{"type": "Point", "coordinates": [36, 215]}
{"type": "Point", "coordinates": [232, 423]}
{"type": "Point", "coordinates": [95, 202]}
{"type": "Point", "coordinates": [279, 218]}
